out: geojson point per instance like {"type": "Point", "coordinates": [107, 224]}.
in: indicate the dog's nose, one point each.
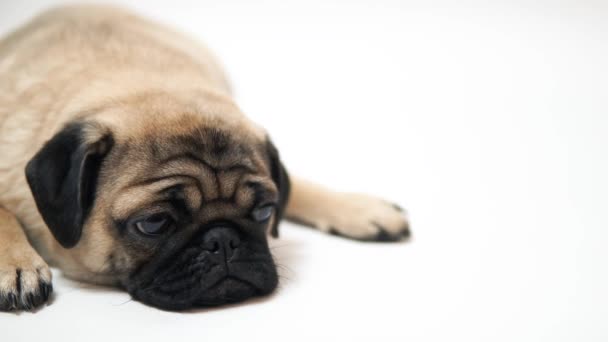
{"type": "Point", "coordinates": [221, 240]}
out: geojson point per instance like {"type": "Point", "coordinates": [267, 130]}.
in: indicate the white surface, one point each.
{"type": "Point", "coordinates": [488, 122]}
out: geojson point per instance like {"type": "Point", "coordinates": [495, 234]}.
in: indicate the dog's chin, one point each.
{"type": "Point", "coordinates": [228, 290]}
{"type": "Point", "coordinates": [219, 285]}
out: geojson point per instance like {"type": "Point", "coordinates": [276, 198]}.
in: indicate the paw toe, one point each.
{"type": "Point", "coordinates": [32, 300]}
{"type": "Point", "coordinates": [333, 231]}
{"type": "Point", "coordinates": [398, 207]}
{"type": "Point", "coordinates": [383, 234]}
{"type": "Point", "coordinates": [27, 292]}
{"type": "Point", "coordinates": [405, 233]}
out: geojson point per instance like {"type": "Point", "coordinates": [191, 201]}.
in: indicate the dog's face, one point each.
{"type": "Point", "coordinates": [176, 208]}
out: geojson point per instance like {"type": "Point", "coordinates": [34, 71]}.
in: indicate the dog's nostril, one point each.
{"type": "Point", "coordinates": [221, 239]}
{"type": "Point", "coordinates": [234, 244]}
{"type": "Point", "coordinates": [212, 246]}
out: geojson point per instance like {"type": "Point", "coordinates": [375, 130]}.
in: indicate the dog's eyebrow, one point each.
{"type": "Point", "coordinates": [207, 175]}
{"type": "Point", "coordinates": [136, 195]}
{"type": "Point", "coordinates": [247, 167]}
{"type": "Point", "coordinates": [175, 177]}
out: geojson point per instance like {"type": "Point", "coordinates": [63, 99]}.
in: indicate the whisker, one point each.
{"type": "Point", "coordinates": [280, 246]}
{"type": "Point", "coordinates": [125, 302]}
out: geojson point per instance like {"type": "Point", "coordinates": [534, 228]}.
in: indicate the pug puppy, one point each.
{"type": "Point", "coordinates": [125, 161]}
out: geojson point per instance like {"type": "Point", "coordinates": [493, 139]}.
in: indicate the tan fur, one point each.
{"type": "Point", "coordinates": [20, 255]}
{"type": "Point", "coordinates": [353, 215]}
{"type": "Point", "coordinates": [124, 74]}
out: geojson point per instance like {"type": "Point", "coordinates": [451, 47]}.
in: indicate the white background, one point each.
{"type": "Point", "coordinates": [487, 121]}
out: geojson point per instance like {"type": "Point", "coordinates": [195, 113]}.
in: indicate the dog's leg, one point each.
{"type": "Point", "coordinates": [356, 216]}
{"type": "Point", "coordinates": [25, 279]}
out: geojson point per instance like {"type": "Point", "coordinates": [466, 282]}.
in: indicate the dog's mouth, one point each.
{"type": "Point", "coordinates": [226, 291]}
{"type": "Point", "coordinates": [193, 290]}
{"type": "Point", "coordinates": [202, 277]}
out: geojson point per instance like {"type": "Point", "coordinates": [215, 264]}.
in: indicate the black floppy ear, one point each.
{"type": "Point", "coordinates": [281, 179]}
{"type": "Point", "coordinates": [62, 177]}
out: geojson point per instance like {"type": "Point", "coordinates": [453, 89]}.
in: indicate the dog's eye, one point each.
{"type": "Point", "coordinates": [263, 213]}
{"type": "Point", "coordinates": [153, 225]}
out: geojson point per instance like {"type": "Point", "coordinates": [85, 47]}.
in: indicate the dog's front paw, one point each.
{"type": "Point", "coordinates": [25, 282]}
{"type": "Point", "coordinates": [360, 217]}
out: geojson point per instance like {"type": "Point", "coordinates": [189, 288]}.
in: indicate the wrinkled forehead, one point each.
{"type": "Point", "coordinates": [213, 147]}
{"type": "Point", "coordinates": [208, 164]}
{"type": "Point", "coordinates": [217, 148]}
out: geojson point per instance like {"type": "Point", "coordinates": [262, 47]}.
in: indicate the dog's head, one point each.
{"type": "Point", "coordinates": [174, 202]}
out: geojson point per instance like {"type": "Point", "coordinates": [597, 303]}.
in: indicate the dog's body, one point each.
{"type": "Point", "coordinates": [95, 101]}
